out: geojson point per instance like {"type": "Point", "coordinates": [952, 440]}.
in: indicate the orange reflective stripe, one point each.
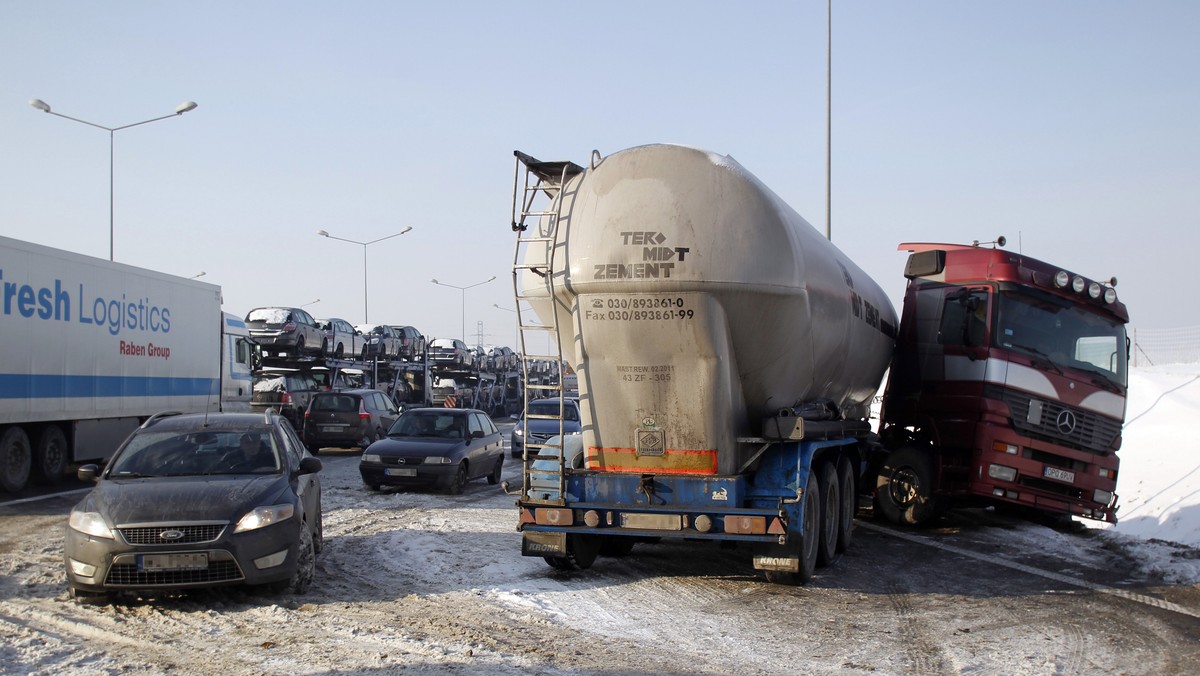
{"type": "Point", "coordinates": [673, 461]}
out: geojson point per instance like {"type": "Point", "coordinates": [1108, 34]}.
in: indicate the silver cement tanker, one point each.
{"type": "Point", "coordinates": [695, 304]}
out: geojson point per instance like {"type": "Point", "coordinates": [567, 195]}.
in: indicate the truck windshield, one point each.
{"type": "Point", "coordinates": [1068, 335]}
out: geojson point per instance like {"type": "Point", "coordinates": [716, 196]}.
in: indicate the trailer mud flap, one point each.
{"type": "Point", "coordinates": [780, 563]}
{"type": "Point", "coordinates": [534, 543]}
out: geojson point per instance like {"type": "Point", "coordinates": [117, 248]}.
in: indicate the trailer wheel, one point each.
{"type": "Point", "coordinates": [849, 504]}
{"type": "Point", "coordinates": [50, 461]}
{"type": "Point", "coordinates": [803, 544]}
{"type": "Point", "coordinates": [16, 458]}
{"type": "Point", "coordinates": [904, 488]}
{"type": "Point", "coordinates": [831, 510]}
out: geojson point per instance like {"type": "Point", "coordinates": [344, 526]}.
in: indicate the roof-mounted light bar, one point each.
{"type": "Point", "coordinates": [1096, 290]}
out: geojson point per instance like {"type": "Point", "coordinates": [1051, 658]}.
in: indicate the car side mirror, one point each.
{"type": "Point", "coordinates": [88, 472]}
{"type": "Point", "coordinates": [477, 434]}
{"type": "Point", "coordinates": [309, 465]}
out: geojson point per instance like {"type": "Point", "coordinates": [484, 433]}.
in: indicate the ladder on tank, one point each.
{"type": "Point", "coordinates": [534, 252]}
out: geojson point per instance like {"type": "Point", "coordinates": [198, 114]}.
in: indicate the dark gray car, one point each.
{"type": "Point", "coordinates": [347, 418]}
{"type": "Point", "coordinates": [192, 501]}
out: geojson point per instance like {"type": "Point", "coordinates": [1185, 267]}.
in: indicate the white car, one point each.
{"type": "Point", "coordinates": [544, 470]}
{"type": "Point", "coordinates": [343, 340]}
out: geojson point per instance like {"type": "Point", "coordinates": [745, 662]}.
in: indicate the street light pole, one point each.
{"type": "Point", "coordinates": [463, 289]}
{"type": "Point", "coordinates": [179, 110]}
{"type": "Point", "coordinates": [364, 245]}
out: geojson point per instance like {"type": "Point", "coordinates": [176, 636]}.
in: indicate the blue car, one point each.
{"type": "Point", "coordinates": [444, 447]}
{"type": "Point", "coordinates": [537, 430]}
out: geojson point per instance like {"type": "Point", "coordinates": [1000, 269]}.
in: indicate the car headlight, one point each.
{"type": "Point", "coordinates": [264, 516]}
{"type": "Point", "coordinates": [90, 523]}
{"type": "Point", "coordinates": [437, 460]}
{"type": "Point", "coordinates": [518, 432]}
{"type": "Point", "coordinates": [371, 457]}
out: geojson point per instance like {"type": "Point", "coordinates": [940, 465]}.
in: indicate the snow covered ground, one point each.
{"type": "Point", "coordinates": [1159, 480]}
{"type": "Point", "coordinates": [426, 582]}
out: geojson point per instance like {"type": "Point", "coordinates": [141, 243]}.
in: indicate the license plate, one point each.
{"type": "Point", "coordinates": [400, 471]}
{"type": "Point", "coordinates": [333, 428]}
{"type": "Point", "coordinates": [1060, 474]}
{"type": "Point", "coordinates": [161, 562]}
{"type": "Point", "coordinates": [652, 521]}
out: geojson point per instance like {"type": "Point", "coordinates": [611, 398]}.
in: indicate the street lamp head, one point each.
{"type": "Point", "coordinates": [180, 109]}
{"type": "Point", "coordinates": [40, 105]}
{"type": "Point", "coordinates": [322, 233]}
{"type": "Point", "coordinates": [435, 281]}
{"type": "Point", "coordinates": [406, 229]}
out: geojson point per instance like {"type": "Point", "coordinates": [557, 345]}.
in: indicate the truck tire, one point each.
{"type": "Point", "coordinates": [904, 488]}
{"type": "Point", "coordinates": [582, 551]}
{"type": "Point", "coordinates": [831, 511]}
{"type": "Point", "coordinates": [849, 494]}
{"type": "Point", "coordinates": [52, 457]}
{"type": "Point", "coordinates": [16, 459]}
{"type": "Point", "coordinates": [803, 542]}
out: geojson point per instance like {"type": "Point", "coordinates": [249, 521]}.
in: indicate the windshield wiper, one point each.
{"type": "Point", "coordinates": [1043, 355]}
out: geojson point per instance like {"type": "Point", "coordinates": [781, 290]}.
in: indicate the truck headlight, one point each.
{"type": "Point", "coordinates": [260, 517]}
{"type": "Point", "coordinates": [90, 523]}
{"type": "Point", "coordinates": [1102, 496]}
{"type": "Point", "coordinates": [1002, 473]}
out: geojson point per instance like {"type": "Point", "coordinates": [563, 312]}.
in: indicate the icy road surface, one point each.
{"type": "Point", "coordinates": [422, 581]}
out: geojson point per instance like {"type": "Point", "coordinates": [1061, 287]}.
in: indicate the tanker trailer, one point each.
{"type": "Point", "coordinates": [726, 356]}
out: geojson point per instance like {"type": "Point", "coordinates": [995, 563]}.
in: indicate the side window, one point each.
{"type": "Point", "coordinates": [475, 424]}
{"type": "Point", "coordinates": [242, 350]}
{"type": "Point", "coordinates": [292, 445]}
{"type": "Point", "coordinates": [964, 318]}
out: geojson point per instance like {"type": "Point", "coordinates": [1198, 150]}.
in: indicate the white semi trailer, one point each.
{"type": "Point", "coordinates": [90, 348]}
{"type": "Point", "coordinates": [726, 356]}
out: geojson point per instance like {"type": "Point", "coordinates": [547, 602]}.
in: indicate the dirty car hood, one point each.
{"type": "Point", "coordinates": [176, 499]}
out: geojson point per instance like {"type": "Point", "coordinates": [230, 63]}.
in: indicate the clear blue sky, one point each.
{"type": "Point", "coordinates": [1071, 127]}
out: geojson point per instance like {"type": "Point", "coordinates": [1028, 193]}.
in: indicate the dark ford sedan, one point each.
{"type": "Point", "coordinates": [446, 447]}
{"type": "Point", "coordinates": [194, 501]}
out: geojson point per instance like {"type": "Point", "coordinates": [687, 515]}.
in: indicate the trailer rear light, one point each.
{"type": "Point", "coordinates": [746, 525]}
{"type": "Point", "coordinates": [1102, 496]}
{"type": "Point", "coordinates": [1062, 279]}
{"type": "Point", "coordinates": [703, 523]}
{"type": "Point", "coordinates": [1094, 290]}
{"type": "Point", "coordinates": [1078, 284]}
{"type": "Point", "coordinates": [1002, 473]}
{"type": "Point", "coordinates": [591, 518]}
{"type": "Point", "coordinates": [553, 517]}
{"type": "Point", "coordinates": [1005, 448]}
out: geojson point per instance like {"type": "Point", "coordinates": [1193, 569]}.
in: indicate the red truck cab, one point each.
{"type": "Point", "coordinates": [1008, 384]}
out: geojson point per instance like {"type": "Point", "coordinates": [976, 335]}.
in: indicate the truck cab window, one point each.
{"type": "Point", "coordinates": [965, 318]}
